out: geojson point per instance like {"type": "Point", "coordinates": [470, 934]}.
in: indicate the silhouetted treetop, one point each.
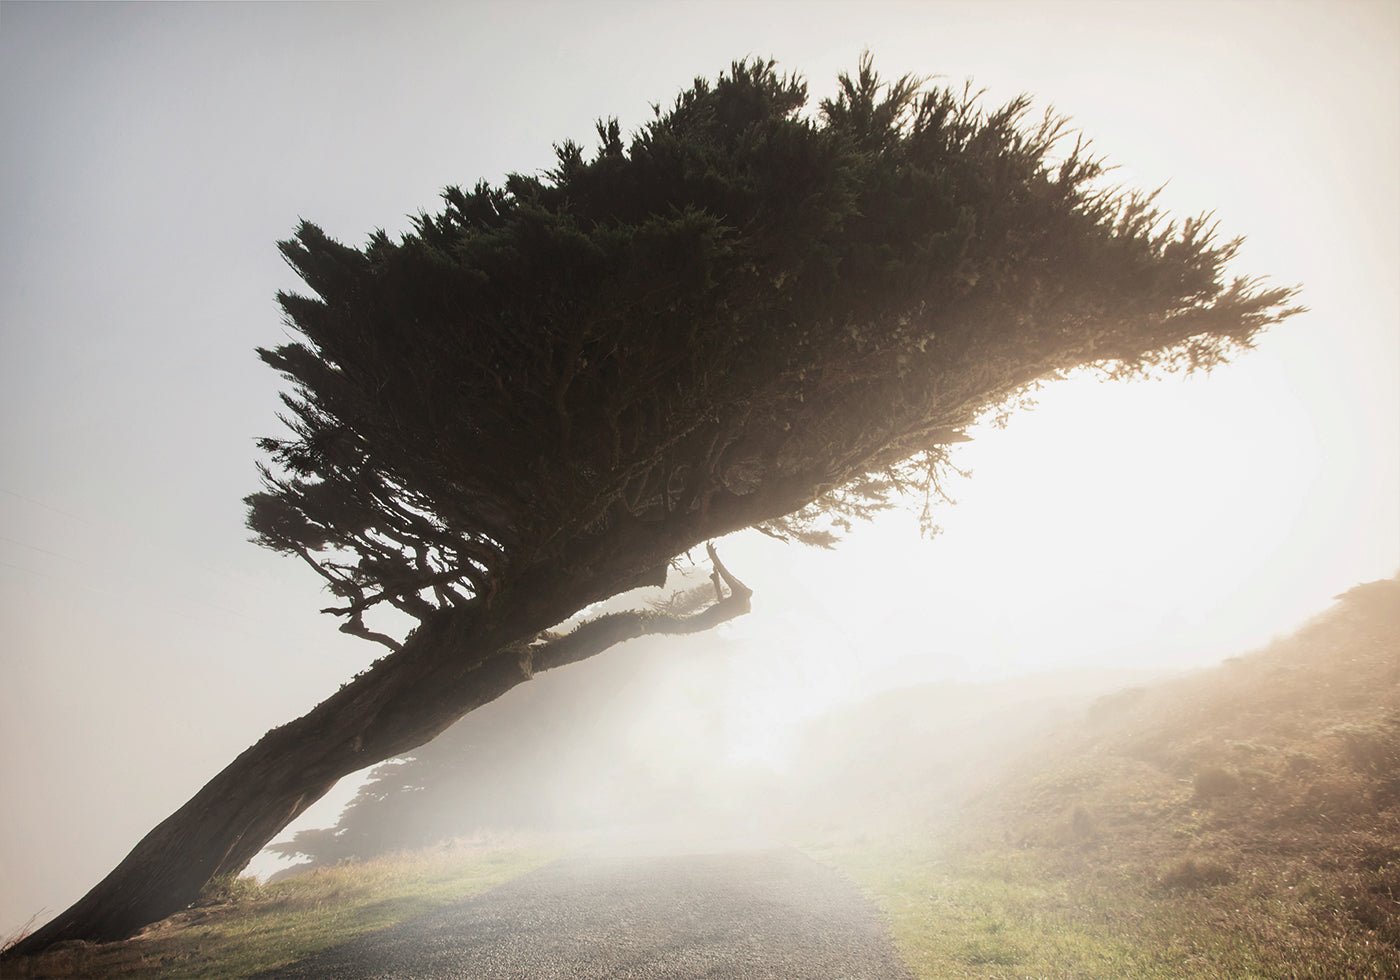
{"type": "Point", "coordinates": [747, 314]}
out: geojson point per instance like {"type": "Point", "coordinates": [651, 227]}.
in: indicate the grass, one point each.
{"type": "Point", "coordinates": [241, 927]}
{"type": "Point", "coordinates": [1002, 914]}
{"type": "Point", "coordinates": [1240, 824]}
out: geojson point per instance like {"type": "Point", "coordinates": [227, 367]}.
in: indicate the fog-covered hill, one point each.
{"type": "Point", "coordinates": [1259, 799]}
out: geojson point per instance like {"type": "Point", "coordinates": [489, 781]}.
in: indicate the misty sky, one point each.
{"type": "Point", "coordinates": [151, 156]}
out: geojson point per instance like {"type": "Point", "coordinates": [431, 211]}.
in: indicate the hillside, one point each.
{"type": "Point", "coordinates": [1240, 822]}
{"type": "Point", "coordinates": [915, 754]}
{"type": "Point", "coordinates": [1285, 759]}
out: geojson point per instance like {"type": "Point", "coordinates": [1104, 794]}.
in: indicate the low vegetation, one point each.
{"type": "Point", "coordinates": [241, 927]}
{"type": "Point", "coordinates": [1241, 823]}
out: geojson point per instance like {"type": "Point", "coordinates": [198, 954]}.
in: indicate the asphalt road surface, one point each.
{"type": "Point", "coordinates": [748, 913]}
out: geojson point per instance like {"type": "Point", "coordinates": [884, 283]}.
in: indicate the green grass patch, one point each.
{"type": "Point", "coordinates": [1011, 914]}
{"type": "Point", "coordinates": [997, 915]}
{"type": "Point", "coordinates": [1001, 915]}
{"type": "Point", "coordinates": [243, 927]}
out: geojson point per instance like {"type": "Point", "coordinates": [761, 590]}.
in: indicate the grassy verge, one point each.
{"type": "Point", "coordinates": [244, 927]}
{"type": "Point", "coordinates": [997, 916]}
{"type": "Point", "coordinates": [1003, 913]}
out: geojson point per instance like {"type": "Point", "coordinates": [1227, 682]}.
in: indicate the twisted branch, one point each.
{"type": "Point", "coordinates": [596, 635]}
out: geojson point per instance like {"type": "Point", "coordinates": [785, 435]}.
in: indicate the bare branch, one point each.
{"type": "Point", "coordinates": [739, 590]}
{"type": "Point", "coordinates": [593, 637]}
{"type": "Point", "coordinates": [355, 626]}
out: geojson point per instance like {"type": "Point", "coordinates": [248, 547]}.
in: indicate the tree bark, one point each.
{"type": "Point", "coordinates": [451, 665]}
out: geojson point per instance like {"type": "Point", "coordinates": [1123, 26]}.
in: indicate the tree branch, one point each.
{"type": "Point", "coordinates": [355, 626]}
{"type": "Point", "coordinates": [597, 635]}
{"type": "Point", "coordinates": [739, 591]}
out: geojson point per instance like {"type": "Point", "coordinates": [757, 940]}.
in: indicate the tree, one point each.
{"type": "Point", "coordinates": [750, 315]}
{"type": "Point", "coordinates": [562, 753]}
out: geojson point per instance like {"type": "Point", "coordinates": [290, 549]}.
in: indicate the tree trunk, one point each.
{"type": "Point", "coordinates": [449, 666]}
{"type": "Point", "coordinates": [403, 701]}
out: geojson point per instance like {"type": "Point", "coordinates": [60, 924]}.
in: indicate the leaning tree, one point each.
{"type": "Point", "coordinates": [747, 315]}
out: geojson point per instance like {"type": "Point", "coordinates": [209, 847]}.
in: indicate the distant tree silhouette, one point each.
{"type": "Point", "coordinates": [747, 315]}
{"type": "Point", "coordinates": [558, 755]}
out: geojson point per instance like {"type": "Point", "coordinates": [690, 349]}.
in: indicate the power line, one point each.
{"type": "Point", "coordinates": [35, 547]}
{"type": "Point", "coordinates": [40, 503]}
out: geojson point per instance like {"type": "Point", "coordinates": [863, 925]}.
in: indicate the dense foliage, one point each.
{"type": "Point", "coordinates": [750, 313]}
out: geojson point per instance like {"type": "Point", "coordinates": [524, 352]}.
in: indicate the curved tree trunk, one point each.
{"type": "Point", "coordinates": [446, 668]}
{"type": "Point", "coordinates": [266, 787]}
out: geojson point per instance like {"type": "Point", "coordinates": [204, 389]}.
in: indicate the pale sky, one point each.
{"type": "Point", "coordinates": [151, 156]}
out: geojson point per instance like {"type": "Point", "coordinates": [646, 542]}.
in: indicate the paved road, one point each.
{"type": "Point", "coordinates": [733, 914]}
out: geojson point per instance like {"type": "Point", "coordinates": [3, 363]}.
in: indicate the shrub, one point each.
{"type": "Point", "coordinates": [1214, 783]}
{"type": "Point", "coordinates": [1372, 748]}
{"type": "Point", "coordinates": [1193, 874]}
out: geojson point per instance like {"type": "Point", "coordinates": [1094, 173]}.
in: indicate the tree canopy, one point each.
{"type": "Point", "coordinates": [750, 313]}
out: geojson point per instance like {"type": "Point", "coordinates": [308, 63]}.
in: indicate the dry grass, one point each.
{"type": "Point", "coordinates": [242, 927]}
{"type": "Point", "coordinates": [1241, 823]}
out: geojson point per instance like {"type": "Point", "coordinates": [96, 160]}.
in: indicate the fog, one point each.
{"type": "Point", "coordinates": [153, 154]}
{"type": "Point", "coordinates": [701, 738]}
